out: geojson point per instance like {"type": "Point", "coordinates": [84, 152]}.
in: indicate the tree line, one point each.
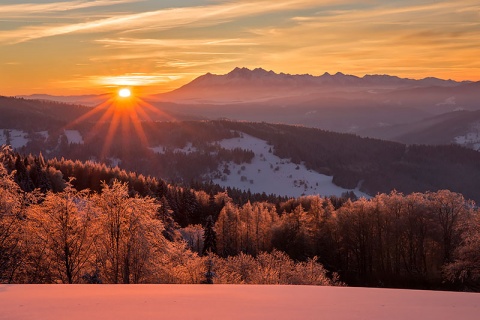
{"type": "Point", "coordinates": [107, 225]}
{"type": "Point", "coordinates": [116, 236]}
{"type": "Point", "coordinates": [420, 240]}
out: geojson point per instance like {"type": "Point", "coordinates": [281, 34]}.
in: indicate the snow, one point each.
{"type": "Point", "coordinates": [114, 162]}
{"type": "Point", "coordinates": [158, 149]}
{"type": "Point", "coordinates": [74, 136]}
{"type": "Point", "coordinates": [230, 302]}
{"type": "Point", "coordinates": [448, 102]}
{"type": "Point", "coordinates": [189, 148]}
{"type": "Point", "coordinates": [44, 134]}
{"type": "Point", "coordinates": [470, 139]}
{"type": "Point", "coordinates": [18, 138]}
{"type": "Point", "coordinates": [270, 174]}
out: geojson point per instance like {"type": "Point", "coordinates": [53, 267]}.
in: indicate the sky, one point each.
{"type": "Point", "coordinates": [92, 47]}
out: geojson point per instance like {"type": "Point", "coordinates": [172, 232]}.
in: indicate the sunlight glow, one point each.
{"type": "Point", "coordinates": [124, 93]}
{"type": "Point", "coordinates": [120, 119]}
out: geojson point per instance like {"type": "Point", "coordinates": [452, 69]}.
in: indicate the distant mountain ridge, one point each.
{"type": "Point", "coordinates": [339, 78]}
{"type": "Point", "coordinates": [369, 105]}
{"type": "Point", "coordinates": [89, 100]}
{"type": "Point", "coordinates": [259, 85]}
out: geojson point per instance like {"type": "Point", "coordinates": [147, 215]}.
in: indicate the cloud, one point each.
{"type": "Point", "coordinates": [162, 19]}
{"type": "Point", "coordinates": [133, 79]}
{"type": "Point", "coordinates": [175, 43]}
{"type": "Point", "coordinates": [407, 39]}
{"type": "Point", "coordinates": [24, 9]}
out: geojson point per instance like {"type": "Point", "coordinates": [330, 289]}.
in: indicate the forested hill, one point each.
{"type": "Point", "coordinates": [188, 152]}
{"type": "Point", "coordinates": [421, 240]}
{"type": "Point", "coordinates": [377, 165]}
{"type": "Point", "coordinates": [37, 115]}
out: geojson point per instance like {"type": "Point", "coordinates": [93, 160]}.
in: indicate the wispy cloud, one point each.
{"type": "Point", "coordinates": [134, 79]}
{"type": "Point", "coordinates": [175, 43]}
{"type": "Point", "coordinates": [165, 44]}
{"type": "Point", "coordinates": [23, 9]}
{"type": "Point", "coordinates": [157, 19]}
{"type": "Point", "coordinates": [407, 39]}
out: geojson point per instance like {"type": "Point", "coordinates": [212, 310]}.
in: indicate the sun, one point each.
{"type": "Point", "coordinates": [120, 119]}
{"type": "Point", "coordinates": [124, 93]}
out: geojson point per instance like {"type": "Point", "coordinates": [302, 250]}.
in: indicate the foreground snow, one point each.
{"type": "Point", "coordinates": [230, 302]}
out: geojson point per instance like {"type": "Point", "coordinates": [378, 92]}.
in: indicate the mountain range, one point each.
{"type": "Point", "coordinates": [243, 84]}
{"type": "Point", "coordinates": [380, 106]}
{"type": "Point", "coordinates": [339, 102]}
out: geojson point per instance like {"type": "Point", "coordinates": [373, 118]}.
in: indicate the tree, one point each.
{"type": "Point", "coordinates": [193, 236]}
{"type": "Point", "coordinates": [209, 237]}
{"type": "Point", "coordinates": [8, 140]}
{"type": "Point", "coordinates": [227, 227]}
{"type": "Point", "coordinates": [129, 234]}
{"type": "Point", "coordinates": [466, 266]}
{"type": "Point", "coordinates": [449, 208]}
{"type": "Point", "coordinates": [11, 226]}
{"type": "Point", "coordinates": [61, 224]}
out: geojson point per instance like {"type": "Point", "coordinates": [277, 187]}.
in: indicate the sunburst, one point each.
{"type": "Point", "coordinates": [125, 113]}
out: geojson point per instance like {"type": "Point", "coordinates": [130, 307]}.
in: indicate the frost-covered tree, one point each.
{"type": "Point", "coordinates": [11, 226]}
{"type": "Point", "coordinates": [449, 209]}
{"type": "Point", "coordinates": [193, 236]}
{"type": "Point", "coordinates": [228, 230]}
{"type": "Point", "coordinates": [178, 264]}
{"type": "Point", "coordinates": [466, 266]}
{"type": "Point", "coordinates": [61, 225]}
{"type": "Point", "coordinates": [129, 236]}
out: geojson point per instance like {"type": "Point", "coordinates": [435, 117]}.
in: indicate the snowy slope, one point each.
{"type": "Point", "coordinates": [74, 136]}
{"type": "Point", "coordinates": [471, 139]}
{"type": "Point", "coordinates": [18, 138]}
{"type": "Point", "coordinates": [189, 148]}
{"type": "Point", "coordinates": [171, 302]}
{"type": "Point", "coordinates": [271, 174]}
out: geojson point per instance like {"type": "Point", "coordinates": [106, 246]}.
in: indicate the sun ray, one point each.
{"type": "Point", "coordinates": [138, 128]}
{"type": "Point", "coordinates": [110, 135]}
{"type": "Point", "coordinates": [146, 105]}
{"type": "Point", "coordinates": [91, 113]}
{"type": "Point", "coordinates": [119, 121]}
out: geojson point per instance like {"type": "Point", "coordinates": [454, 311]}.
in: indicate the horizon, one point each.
{"type": "Point", "coordinates": [110, 92]}
{"type": "Point", "coordinates": [93, 47]}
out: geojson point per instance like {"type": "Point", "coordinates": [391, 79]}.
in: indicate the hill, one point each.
{"type": "Point", "coordinates": [339, 102]}
{"type": "Point", "coordinates": [195, 151]}
{"type": "Point", "coordinates": [458, 127]}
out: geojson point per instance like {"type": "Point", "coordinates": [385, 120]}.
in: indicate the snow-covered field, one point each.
{"type": "Point", "coordinates": [189, 148]}
{"type": "Point", "coordinates": [74, 136]}
{"type": "Point", "coordinates": [470, 139]}
{"type": "Point", "coordinates": [18, 138]}
{"type": "Point", "coordinates": [271, 174]}
{"type": "Point", "coordinates": [171, 302]}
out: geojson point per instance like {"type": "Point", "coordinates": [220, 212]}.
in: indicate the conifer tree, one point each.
{"type": "Point", "coordinates": [209, 237]}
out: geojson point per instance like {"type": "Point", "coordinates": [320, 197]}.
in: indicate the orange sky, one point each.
{"type": "Point", "coordinates": [82, 47]}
